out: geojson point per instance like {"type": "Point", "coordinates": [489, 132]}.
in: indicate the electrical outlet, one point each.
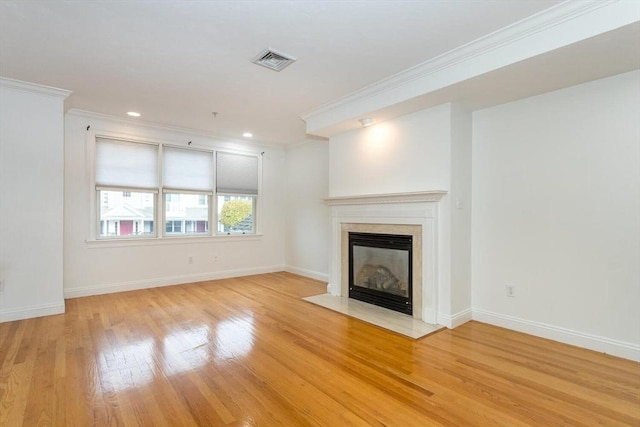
{"type": "Point", "coordinates": [190, 259]}
{"type": "Point", "coordinates": [511, 291]}
{"type": "Point", "coordinates": [1, 285]}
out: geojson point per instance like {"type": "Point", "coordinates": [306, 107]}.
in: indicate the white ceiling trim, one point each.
{"type": "Point", "coordinates": [559, 26]}
{"type": "Point", "coordinates": [136, 124]}
{"type": "Point", "coordinates": [34, 88]}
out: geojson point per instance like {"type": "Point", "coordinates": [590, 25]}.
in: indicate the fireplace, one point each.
{"type": "Point", "coordinates": [381, 270]}
{"type": "Point", "coordinates": [413, 214]}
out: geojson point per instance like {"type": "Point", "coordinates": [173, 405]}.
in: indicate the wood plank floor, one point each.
{"type": "Point", "coordinates": [249, 351]}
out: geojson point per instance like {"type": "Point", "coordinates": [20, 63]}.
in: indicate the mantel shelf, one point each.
{"type": "Point", "coordinates": [420, 196]}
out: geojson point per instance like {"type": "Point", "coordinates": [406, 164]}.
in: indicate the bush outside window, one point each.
{"type": "Point", "coordinates": [235, 214]}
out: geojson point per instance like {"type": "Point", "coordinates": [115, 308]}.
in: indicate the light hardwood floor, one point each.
{"type": "Point", "coordinates": [249, 351]}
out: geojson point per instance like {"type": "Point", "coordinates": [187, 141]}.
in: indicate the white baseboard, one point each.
{"type": "Point", "coordinates": [166, 281]}
{"type": "Point", "coordinates": [323, 277]}
{"type": "Point", "coordinates": [456, 319]}
{"type": "Point", "coordinates": [592, 342]}
{"type": "Point", "coordinates": [31, 311]}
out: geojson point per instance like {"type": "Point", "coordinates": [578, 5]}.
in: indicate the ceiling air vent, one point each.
{"type": "Point", "coordinates": [273, 59]}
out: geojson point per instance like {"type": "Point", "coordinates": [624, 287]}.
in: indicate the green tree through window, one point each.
{"type": "Point", "coordinates": [235, 211]}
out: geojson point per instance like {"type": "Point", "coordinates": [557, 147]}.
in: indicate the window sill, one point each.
{"type": "Point", "coordinates": [172, 240]}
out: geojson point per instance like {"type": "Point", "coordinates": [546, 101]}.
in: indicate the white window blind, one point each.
{"type": "Point", "coordinates": [236, 173]}
{"type": "Point", "coordinates": [126, 164]}
{"type": "Point", "coordinates": [186, 169]}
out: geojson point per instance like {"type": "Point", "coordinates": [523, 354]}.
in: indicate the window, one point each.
{"type": "Point", "coordinates": [188, 184]}
{"type": "Point", "coordinates": [195, 187]}
{"type": "Point", "coordinates": [126, 216]}
{"type": "Point", "coordinates": [237, 191]}
{"type": "Point", "coordinates": [236, 214]}
{"type": "Point", "coordinates": [126, 185]}
{"type": "Point", "coordinates": [173, 227]}
{"type": "Point", "coordinates": [186, 208]}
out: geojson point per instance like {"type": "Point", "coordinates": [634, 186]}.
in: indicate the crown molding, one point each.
{"type": "Point", "coordinates": [504, 43]}
{"type": "Point", "coordinates": [90, 115]}
{"type": "Point", "coordinates": [22, 86]}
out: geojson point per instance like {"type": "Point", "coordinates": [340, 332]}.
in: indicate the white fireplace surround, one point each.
{"type": "Point", "coordinates": [419, 208]}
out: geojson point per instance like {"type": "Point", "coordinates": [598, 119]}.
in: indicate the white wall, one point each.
{"type": "Point", "coordinates": [308, 218]}
{"type": "Point", "coordinates": [461, 208]}
{"type": "Point", "coordinates": [409, 153]}
{"type": "Point", "coordinates": [100, 267]}
{"type": "Point", "coordinates": [31, 192]}
{"type": "Point", "coordinates": [556, 213]}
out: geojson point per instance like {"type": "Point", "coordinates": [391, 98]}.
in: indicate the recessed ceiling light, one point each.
{"type": "Point", "coordinates": [133, 114]}
{"type": "Point", "coordinates": [366, 122]}
{"type": "Point", "coordinates": [247, 134]}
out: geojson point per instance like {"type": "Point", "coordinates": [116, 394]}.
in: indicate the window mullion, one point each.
{"type": "Point", "coordinates": [160, 216]}
{"type": "Point", "coordinates": [126, 188]}
{"type": "Point", "coordinates": [213, 221]}
{"type": "Point", "coordinates": [185, 191]}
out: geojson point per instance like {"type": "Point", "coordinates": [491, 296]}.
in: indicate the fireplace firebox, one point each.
{"type": "Point", "coordinates": [380, 270]}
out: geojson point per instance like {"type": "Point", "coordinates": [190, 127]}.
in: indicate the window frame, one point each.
{"type": "Point", "coordinates": [159, 233]}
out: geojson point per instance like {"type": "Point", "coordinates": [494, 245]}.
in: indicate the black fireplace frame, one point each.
{"type": "Point", "coordinates": [373, 296]}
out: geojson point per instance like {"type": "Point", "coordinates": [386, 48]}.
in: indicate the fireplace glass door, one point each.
{"type": "Point", "coordinates": [380, 270]}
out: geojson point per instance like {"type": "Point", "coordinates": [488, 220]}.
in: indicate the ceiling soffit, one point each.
{"type": "Point", "coordinates": [557, 27]}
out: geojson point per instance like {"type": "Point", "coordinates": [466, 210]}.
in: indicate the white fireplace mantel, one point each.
{"type": "Point", "coordinates": [417, 208]}
{"type": "Point", "coordinates": [420, 196]}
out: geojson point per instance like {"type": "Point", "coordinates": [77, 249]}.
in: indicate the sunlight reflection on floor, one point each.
{"type": "Point", "coordinates": [136, 363]}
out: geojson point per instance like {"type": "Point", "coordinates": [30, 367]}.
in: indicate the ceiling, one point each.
{"type": "Point", "coordinates": [177, 62]}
